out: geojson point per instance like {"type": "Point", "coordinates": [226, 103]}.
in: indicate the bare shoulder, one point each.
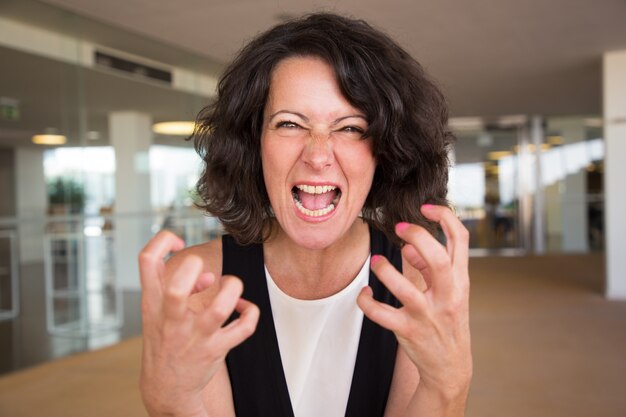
{"type": "Point", "coordinates": [210, 253]}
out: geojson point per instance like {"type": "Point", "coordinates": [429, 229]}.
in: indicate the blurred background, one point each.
{"type": "Point", "coordinates": [96, 99]}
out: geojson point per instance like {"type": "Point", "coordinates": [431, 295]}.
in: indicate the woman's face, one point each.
{"type": "Point", "coordinates": [317, 167]}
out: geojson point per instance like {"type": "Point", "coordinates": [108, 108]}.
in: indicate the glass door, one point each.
{"type": "Point", "coordinates": [484, 187]}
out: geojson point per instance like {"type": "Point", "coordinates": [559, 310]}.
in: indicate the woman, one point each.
{"type": "Point", "coordinates": [325, 152]}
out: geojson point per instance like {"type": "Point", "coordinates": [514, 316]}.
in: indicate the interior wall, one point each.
{"type": "Point", "coordinates": [7, 182]}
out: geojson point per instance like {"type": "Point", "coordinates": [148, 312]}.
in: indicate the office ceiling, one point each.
{"type": "Point", "coordinates": [492, 57]}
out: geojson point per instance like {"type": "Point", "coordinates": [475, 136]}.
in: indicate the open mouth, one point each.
{"type": "Point", "coordinates": [316, 200]}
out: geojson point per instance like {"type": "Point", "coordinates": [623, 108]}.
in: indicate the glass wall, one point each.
{"type": "Point", "coordinates": [572, 174]}
{"type": "Point", "coordinates": [86, 179]}
{"type": "Point", "coordinates": [499, 172]}
{"type": "Point", "coordinates": [485, 186]}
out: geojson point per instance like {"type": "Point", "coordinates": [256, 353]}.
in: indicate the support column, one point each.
{"type": "Point", "coordinates": [539, 212]}
{"type": "Point", "coordinates": [574, 190]}
{"type": "Point", "coordinates": [130, 134]}
{"type": "Point", "coordinates": [614, 78]}
{"type": "Point", "coordinates": [31, 202]}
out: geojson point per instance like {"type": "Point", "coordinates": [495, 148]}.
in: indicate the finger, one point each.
{"type": "Point", "coordinates": [179, 286]}
{"type": "Point", "coordinates": [204, 281]}
{"type": "Point", "coordinates": [404, 290]}
{"type": "Point", "coordinates": [433, 261]}
{"type": "Point", "coordinates": [380, 313]}
{"type": "Point", "coordinates": [151, 258]}
{"type": "Point", "coordinates": [414, 258]}
{"type": "Point", "coordinates": [456, 234]}
{"type": "Point", "coordinates": [163, 243]}
{"type": "Point", "coordinates": [223, 304]}
{"type": "Point", "coordinates": [241, 328]}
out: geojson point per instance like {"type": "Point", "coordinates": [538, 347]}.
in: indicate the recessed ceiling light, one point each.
{"type": "Point", "coordinates": [530, 148]}
{"type": "Point", "coordinates": [47, 139]}
{"type": "Point", "coordinates": [513, 120]}
{"type": "Point", "coordinates": [594, 122]}
{"type": "Point", "coordinates": [496, 155]}
{"type": "Point", "coordinates": [484, 140]}
{"type": "Point", "coordinates": [466, 123]}
{"type": "Point", "coordinates": [174, 128]}
{"type": "Point", "coordinates": [92, 135]}
{"type": "Point", "coordinates": [555, 140]}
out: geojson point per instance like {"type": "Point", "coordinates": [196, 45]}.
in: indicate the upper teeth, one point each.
{"type": "Point", "coordinates": [316, 189]}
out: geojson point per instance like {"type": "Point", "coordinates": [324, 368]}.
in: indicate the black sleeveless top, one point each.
{"type": "Point", "coordinates": [256, 373]}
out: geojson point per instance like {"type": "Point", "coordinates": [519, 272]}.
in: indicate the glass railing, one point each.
{"type": "Point", "coordinates": [82, 290]}
{"type": "Point", "coordinates": [81, 264]}
{"type": "Point", "coordinates": [9, 278]}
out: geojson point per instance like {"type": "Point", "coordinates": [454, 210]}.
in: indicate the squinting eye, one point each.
{"type": "Point", "coordinates": [353, 129]}
{"type": "Point", "coordinates": [287, 124]}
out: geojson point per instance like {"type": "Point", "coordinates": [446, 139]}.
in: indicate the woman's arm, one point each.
{"type": "Point", "coordinates": [432, 327]}
{"type": "Point", "coordinates": [218, 395]}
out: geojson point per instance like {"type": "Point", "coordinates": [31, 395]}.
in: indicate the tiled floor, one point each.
{"type": "Point", "coordinates": [546, 343]}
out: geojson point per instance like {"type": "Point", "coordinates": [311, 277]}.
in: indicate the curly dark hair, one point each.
{"type": "Point", "coordinates": [406, 113]}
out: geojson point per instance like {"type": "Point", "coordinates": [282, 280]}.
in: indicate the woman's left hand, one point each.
{"type": "Point", "coordinates": [432, 326]}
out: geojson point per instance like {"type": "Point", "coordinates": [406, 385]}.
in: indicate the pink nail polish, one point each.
{"type": "Point", "coordinates": [427, 206]}
{"type": "Point", "coordinates": [375, 259]}
{"type": "Point", "coordinates": [402, 226]}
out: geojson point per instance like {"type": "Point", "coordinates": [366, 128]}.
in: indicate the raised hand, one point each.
{"type": "Point", "coordinates": [432, 326]}
{"type": "Point", "coordinates": [184, 342]}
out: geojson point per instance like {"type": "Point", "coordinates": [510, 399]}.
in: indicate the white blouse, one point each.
{"type": "Point", "coordinates": [318, 342]}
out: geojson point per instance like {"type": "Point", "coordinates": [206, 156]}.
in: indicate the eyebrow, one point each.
{"type": "Point", "coordinates": [306, 119]}
{"type": "Point", "coordinates": [360, 116]}
{"type": "Point", "coordinates": [295, 113]}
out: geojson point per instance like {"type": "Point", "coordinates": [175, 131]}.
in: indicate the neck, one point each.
{"type": "Point", "coordinates": [316, 273]}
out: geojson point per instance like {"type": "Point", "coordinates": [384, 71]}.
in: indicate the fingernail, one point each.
{"type": "Point", "coordinates": [375, 259]}
{"type": "Point", "coordinates": [402, 226]}
{"type": "Point", "coordinates": [427, 206]}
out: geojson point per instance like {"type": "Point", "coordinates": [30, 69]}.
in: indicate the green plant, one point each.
{"type": "Point", "coordinates": [66, 192]}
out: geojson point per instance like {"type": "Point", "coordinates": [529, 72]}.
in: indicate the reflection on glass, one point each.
{"type": "Point", "coordinates": [64, 195]}
{"type": "Point", "coordinates": [80, 179]}
{"type": "Point", "coordinates": [174, 172]}
{"type": "Point", "coordinates": [572, 173]}
{"type": "Point", "coordinates": [484, 187]}
{"type": "Point", "coordinates": [490, 175]}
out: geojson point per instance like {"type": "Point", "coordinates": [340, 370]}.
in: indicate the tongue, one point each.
{"type": "Point", "coordinates": [316, 201]}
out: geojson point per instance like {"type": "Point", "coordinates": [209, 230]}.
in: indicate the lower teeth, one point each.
{"type": "Point", "coordinates": [314, 213]}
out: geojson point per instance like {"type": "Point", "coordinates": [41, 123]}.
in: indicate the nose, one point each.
{"type": "Point", "coordinates": [318, 151]}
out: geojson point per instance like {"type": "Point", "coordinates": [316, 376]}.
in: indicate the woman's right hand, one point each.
{"type": "Point", "coordinates": [184, 342]}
